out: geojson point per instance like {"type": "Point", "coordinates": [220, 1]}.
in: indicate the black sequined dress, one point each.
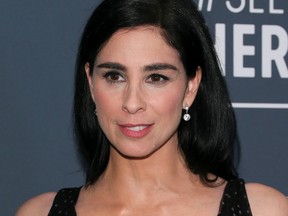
{"type": "Point", "coordinates": [234, 201]}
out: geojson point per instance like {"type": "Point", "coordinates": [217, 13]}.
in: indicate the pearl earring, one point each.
{"type": "Point", "coordinates": [186, 116]}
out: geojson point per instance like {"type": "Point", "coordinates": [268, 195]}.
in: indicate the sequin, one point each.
{"type": "Point", "coordinates": [64, 202]}
{"type": "Point", "coordinates": [235, 199]}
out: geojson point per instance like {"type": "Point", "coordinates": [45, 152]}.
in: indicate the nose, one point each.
{"type": "Point", "coordinates": [133, 101]}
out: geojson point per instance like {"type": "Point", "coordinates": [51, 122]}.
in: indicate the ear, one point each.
{"type": "Point", "coordinates": [192, 88]}
{"type": "Point", "coordinates": [89, 78]}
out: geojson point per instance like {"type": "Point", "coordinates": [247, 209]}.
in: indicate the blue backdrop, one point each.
{"type": "Point", "coordinates": [38, 47]}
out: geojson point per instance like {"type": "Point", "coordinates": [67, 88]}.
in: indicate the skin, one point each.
{"type": "Point", "coordinates": [139, 82]}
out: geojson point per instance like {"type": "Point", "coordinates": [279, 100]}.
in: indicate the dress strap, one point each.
{"type": "Point", "coordinates": [64, 202]}
{"type": "Point", "coordinates": [234, 201]}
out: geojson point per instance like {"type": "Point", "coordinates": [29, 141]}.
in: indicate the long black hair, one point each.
{"type": "Point", "coordinates": [206, 140]}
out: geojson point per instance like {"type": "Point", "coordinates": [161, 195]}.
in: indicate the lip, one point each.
{"type": "Point", "coordinates": [135, 130]}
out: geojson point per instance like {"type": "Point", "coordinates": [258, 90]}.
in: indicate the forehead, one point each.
{"type": "Point", "coordinates": [135, 34]}
{"type": "Point", "coordinates": [142, 41]}
{"type": "Point", "coordinates": [140, 29]}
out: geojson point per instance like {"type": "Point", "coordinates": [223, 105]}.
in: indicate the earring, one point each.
{"type": "Point", "coordinates": [95, 112]}
{"type": "Point", "coordinates": [186, 116]}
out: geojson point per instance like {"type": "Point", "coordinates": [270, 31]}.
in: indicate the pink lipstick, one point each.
{"type": "Point", "coordinates": [135, 131]}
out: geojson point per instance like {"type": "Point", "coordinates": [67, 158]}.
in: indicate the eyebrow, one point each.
{"type": "Point", "coordinates": [112, 65]}
{"type": "Point", "coordinates": [151, 67]}
{"type": "Point", "coordinates": [160, 66]}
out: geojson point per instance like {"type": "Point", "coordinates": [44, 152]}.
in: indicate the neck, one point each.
{"type": "Point", "coordinates": [147, 176]}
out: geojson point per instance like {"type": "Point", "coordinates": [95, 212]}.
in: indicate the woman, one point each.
{"type": "Point", "coordinates": [142, 65]}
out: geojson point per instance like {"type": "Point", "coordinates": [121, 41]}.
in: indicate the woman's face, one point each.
{"type": "Point", "coordinates": [139, 88]}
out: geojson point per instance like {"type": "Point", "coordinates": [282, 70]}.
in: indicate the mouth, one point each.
{"type": "Point", "coordinates": [135, 131]}
{"type": "Point", "coordinates": [136, 128]}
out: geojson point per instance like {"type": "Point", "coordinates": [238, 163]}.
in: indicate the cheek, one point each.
{"type": "Point", "coordinates": [169, 103]}
{"type": "Point", "coordinates": [105, 104]}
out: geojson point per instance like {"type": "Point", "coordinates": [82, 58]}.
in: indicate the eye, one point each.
{"type": "Point", "coordinates": [157, 79]}
{"type": "Point", "coordinates": [113, 76]}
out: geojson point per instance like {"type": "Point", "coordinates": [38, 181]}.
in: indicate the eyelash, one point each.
{"type": "Point", "coordinates": [120, 78]}
{"type": "Point", "coordinates": [109, 74]}
{"type": "Point", "coordinates": [163, 78]}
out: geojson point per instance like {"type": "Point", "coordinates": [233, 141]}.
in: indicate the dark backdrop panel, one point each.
{"type": "Point", "coordinates": [253, 47]}
{"type": "Point", "coordinates": [37, 52]}
{"type": "Point", "coordinates": [252, 40]}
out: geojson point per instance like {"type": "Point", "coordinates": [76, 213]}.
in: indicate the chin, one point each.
{"type": "Point", "coordinates": [135, 154]}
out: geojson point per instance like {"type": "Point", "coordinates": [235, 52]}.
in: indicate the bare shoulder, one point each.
{"type": "Point", "coordinates": [265, 200]}
{"type": "Point", "coordinates": [37, 206]}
